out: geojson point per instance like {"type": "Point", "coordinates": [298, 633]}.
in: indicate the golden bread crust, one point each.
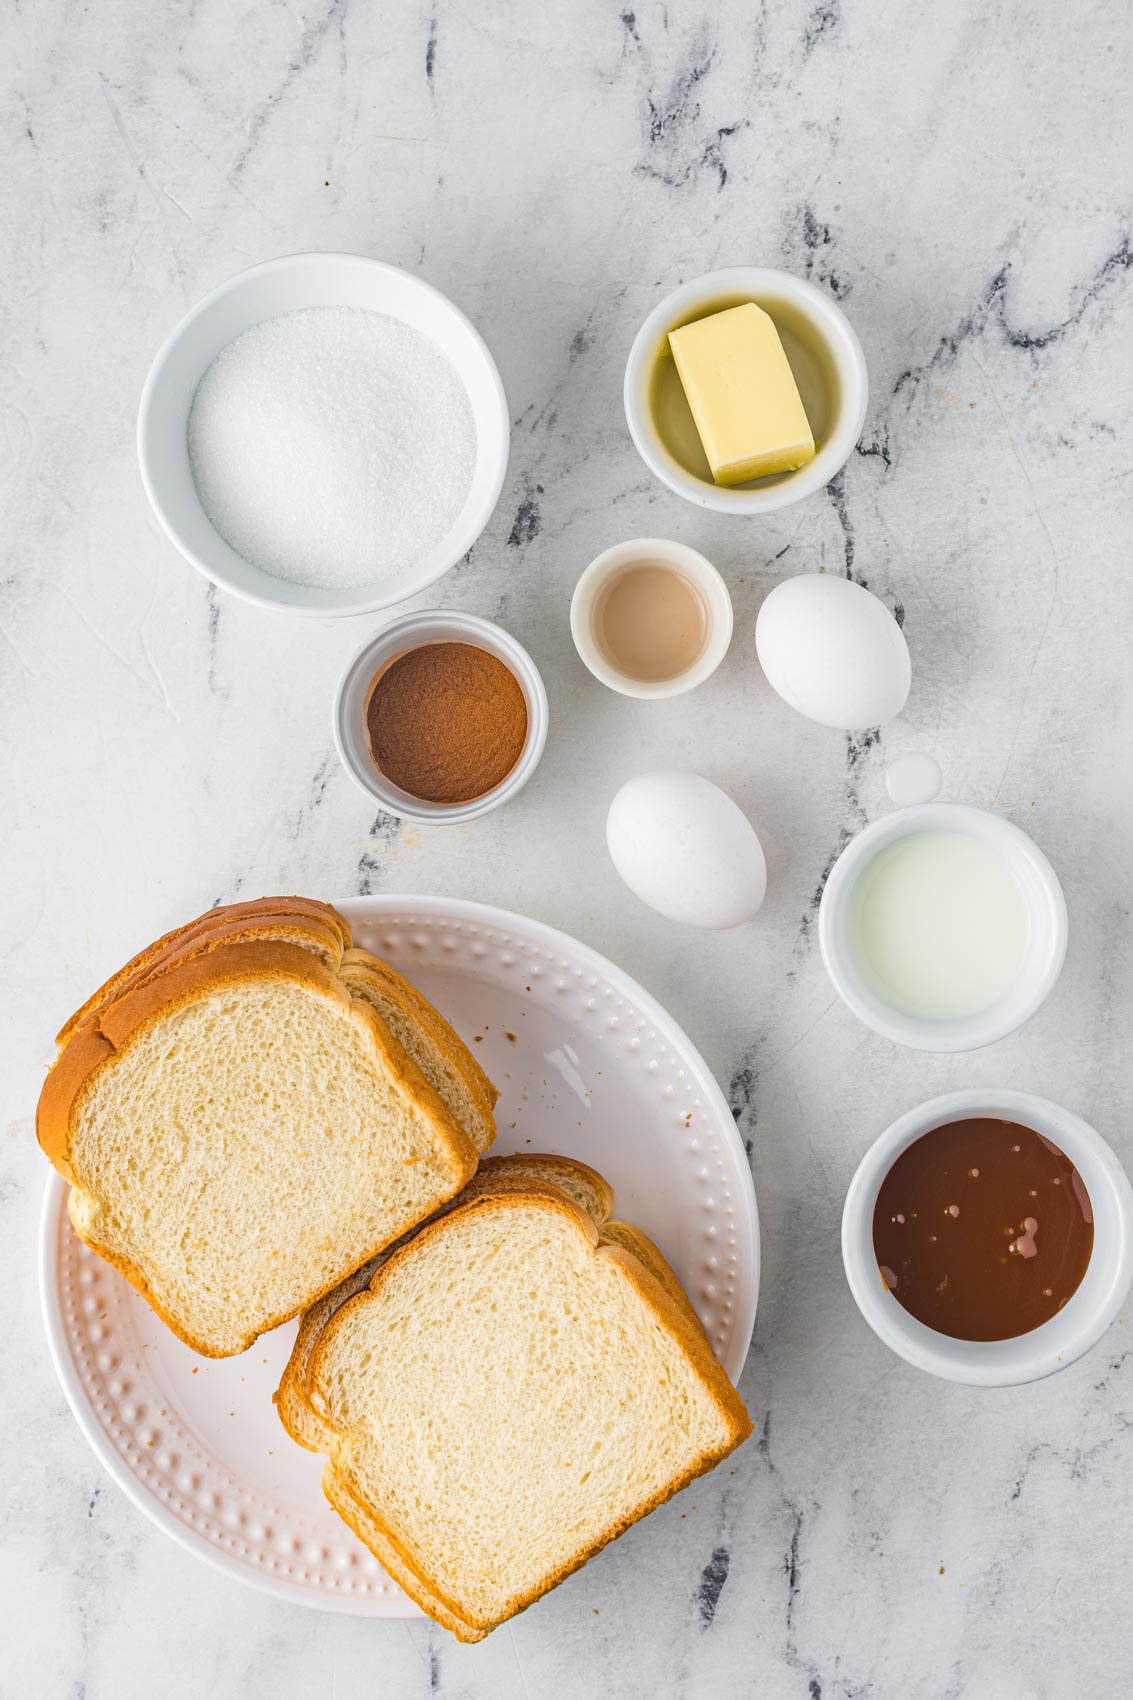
{"type": "Point", "coordinates": [633, 1240]}
{"type": "Point", "coordinates": [549, 1166]}
{"type": "Point", "coordinates": [317, 936]}
{"type": "Point", "coordinates": [250, 910]}
{"type": "Point", "coordinates": [377, 965]}
{"type": "Point", "coordinates": [361, 964]}
{"type": "Point", "coordinates": [76, 1064]}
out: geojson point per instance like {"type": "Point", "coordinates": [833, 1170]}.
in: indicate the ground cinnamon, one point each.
{"type": "Point", "coordinates": [447, 722]}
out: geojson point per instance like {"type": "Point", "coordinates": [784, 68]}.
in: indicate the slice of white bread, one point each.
{"type": "Point", "coordinates": [591, 1193]}
{"type": "Point", "coordinates": [545, 1174]}
{"type": "Point", "coordinates": [435, 1046]}
{"type": "Point", "coordinates": [442, 1056]}
{"type": "Point", "coordinates": [495, 1174]}
{"type": "Point", "coordinates": [588, 1189]}
{"type": "Point", "coordinates": [444, 1059]}
{"type": "Point", "coordinates": [240, 1133]}
{"type": "Point", "coordinates": [510, 1393]}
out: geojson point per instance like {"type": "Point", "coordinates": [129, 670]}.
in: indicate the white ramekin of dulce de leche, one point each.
{"type": "Point", "coordinates": [988, 1237]}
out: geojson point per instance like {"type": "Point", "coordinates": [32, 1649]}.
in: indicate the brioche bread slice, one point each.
{"type": "Point", "coordinates": [481, 1487]}
{"type": "Point", "coordinates": [240, 1133]}
{"type": "Point", "coordinates": [271, 917]}
{"type": "Point", "coordinates": [538, 1172]}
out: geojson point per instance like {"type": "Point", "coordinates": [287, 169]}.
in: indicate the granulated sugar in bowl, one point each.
{"type": "Point", "coordinates": [351, 435]}
{"type": "Point", "coordinates": [332, 446]}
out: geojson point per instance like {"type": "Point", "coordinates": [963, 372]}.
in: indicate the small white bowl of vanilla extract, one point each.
{"type": "Point", "coordinates": [651, 618]}
{"type": "Point", "coordinates": [987, 1237]}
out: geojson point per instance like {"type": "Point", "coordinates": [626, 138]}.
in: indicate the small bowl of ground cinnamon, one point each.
{"type": "Point", "coordinates": [441, 716]}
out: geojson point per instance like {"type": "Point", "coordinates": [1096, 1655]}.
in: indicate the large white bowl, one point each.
{"type": "Point", "coordinates": [286, 286]}
{"type": "Point", "coordinates": [826, 358]}
{"type": "Point", "coordinates": [1088, 1312]}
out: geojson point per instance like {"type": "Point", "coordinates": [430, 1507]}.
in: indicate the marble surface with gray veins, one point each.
{"type": "Point", "coordinates": [958, 176]}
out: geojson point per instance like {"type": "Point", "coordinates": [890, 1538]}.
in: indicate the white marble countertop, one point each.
{"type": "Point", "coordinates": [959, 178]}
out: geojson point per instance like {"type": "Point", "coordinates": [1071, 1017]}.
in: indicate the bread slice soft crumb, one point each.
{"type": "Point", "coordinates": [240, 1133]}
{"type": "Point", "coordinates": [506, 1393]}
{"type": "Point", "coordinates": [496, 1174]}
{"type": "Point", "coordinates": [424, 1033]}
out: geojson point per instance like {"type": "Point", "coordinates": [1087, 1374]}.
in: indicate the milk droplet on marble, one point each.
{"type": "Point", "coordinates": [913, 778]}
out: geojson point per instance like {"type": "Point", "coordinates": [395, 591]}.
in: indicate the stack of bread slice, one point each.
{"type": "Point", "coordinates": [506, 1390]}
{"type": "Point", "coordinates": [258, 1120]}
{"type": "Point", "coordinates": [250, 1109]}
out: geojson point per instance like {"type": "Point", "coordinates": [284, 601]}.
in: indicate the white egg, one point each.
{"type": "Point", "coordinates": [683, 847]}
{"type": "Point", "coordinates": [833, 651]}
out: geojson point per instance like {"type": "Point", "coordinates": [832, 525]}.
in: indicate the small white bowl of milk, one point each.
{"type": "Point", "coordinates": [943, 927]}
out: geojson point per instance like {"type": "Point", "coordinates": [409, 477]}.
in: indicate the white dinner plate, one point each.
{"type": "Point", "coordinates": [587, 1064]}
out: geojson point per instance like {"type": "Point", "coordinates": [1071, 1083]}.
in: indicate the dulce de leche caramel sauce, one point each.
{"type": "Point", "coordinates": [982, 1229]}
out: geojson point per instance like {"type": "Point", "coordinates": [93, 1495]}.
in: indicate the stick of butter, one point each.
{"type": "Point", "coordinates": [743, 394]}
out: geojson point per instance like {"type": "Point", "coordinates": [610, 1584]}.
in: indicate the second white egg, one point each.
{"type": "Point", "coordinates": [685, 848]}
{"type": "Point", "coordinates": [833, 650]}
